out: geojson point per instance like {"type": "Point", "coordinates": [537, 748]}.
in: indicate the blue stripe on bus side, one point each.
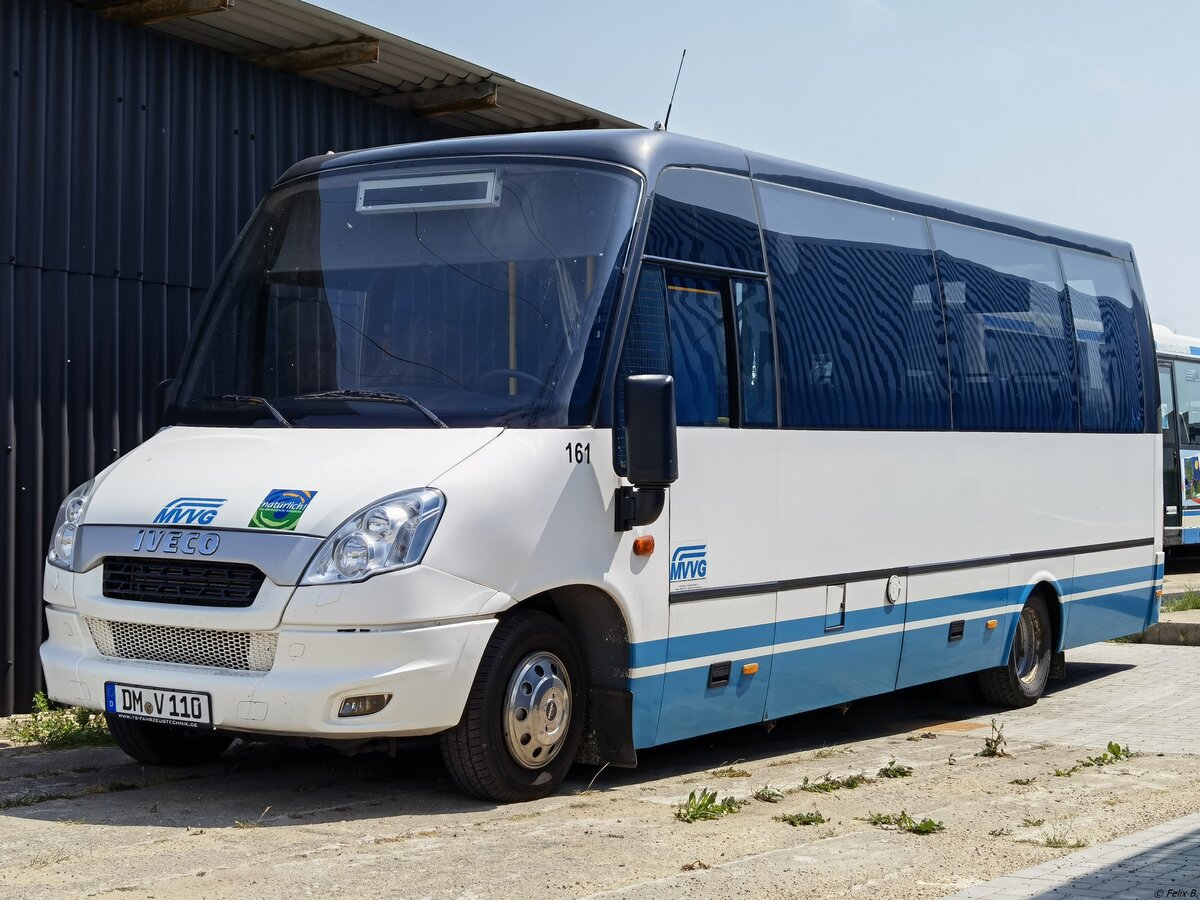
{"type": "Point", "coordinates": [669, 707]}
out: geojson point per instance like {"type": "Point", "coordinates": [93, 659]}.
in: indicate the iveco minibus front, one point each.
{"type": "Point", "coordinates": [363, 465]}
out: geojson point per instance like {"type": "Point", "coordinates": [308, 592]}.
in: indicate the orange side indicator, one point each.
{"type": "Point", "coordinates": [643, 546]}
{"type": "Point", "coordinates": [750, 669]}
{"type": "Point", "coordinates": [991, 623]}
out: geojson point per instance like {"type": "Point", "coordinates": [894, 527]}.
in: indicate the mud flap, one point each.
{"type": "Point", "coordinates": [1058, 666]}
{"type": "Point", "coordinates": [608, 734]}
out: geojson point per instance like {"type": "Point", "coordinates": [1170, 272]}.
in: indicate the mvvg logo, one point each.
{"type": "Point", "coordinates": [189, 511]}
{"type": "Point", "coordinates": [689, 563]}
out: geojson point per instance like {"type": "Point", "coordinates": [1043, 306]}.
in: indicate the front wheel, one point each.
{"type": "Point", "coordinates": [524, 716]}
{"type": "Point", "coordinates": [167, 745]}
{"type": "Point", "coordinates": [1022, 681]}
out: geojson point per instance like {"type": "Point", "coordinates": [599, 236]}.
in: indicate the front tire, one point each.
{"type": "Point", "coordinates": [524, 716]}
{"type": "Point", "coordinates": [166, 745]}
{"type": "Point", "coordinates": [1022, 681]}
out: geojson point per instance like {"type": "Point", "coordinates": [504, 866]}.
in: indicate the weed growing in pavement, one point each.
{"type": "Point", "coordinates": [922, 736]}
{"type": "Point", "coordinates": [1190, 600]}
{"type": "Point", "coordinates": [830, 752]}
{"type": "Point", "coordinates": [1023, 782]}
{"type": "Point", "coordinates": [1001, 832]}
{"type": "Point", "coordinates": [1060, 837]}
{"type": "Point", "coordinates": [797, 819]}
{"type": "Point", "coordinates": [729, 772]}
{"type": "Point", "coordinates": [252, 823]}
{"type": "Point", "coordinates": [829, 784]}
{"type": "Point", "coordinates": [894, 770]}
{"type": "Point", "coordinates": [1066, 773]}
{"type": "Point", "coordinates": [1113, 753]}
{"type": "Point", "coordinates": [55, 726]}
{"type": "Point", "coordinates": [993, 745]}
{"type": "Point", "coordinates": [1032, 823]}
{"type": "Point", "coordinates": [905, 822]}
{"type": "Point", "coordinates": [768, 794]}
{"type": "Point", "coordinates": [31, 799]}
{"type": "Point", "coordinates": [704, 806]}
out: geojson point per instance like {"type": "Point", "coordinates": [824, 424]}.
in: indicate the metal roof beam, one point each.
{"type": "Point", "coordinates": [446, 100]}
{"type": "Point", "coordinates": [321, 57]}
{"type": "Point", "coordinates": [151, 12]}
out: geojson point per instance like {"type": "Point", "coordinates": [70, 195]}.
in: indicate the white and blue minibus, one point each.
{"type": "Point", "coordinates": [562, 446]}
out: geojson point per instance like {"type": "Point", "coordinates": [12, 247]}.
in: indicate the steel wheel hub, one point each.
{"type": "Point", "coordinates": [537, 709]}
{"type": "Point", "coordinates": [1027, 649]}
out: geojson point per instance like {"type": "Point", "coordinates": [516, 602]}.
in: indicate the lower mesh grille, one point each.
{"type": "Point", "coordinates": [245, 651]}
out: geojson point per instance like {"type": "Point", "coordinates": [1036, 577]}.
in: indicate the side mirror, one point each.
{"type": "Point", "coordinates": [651, 449]}
{"type": "Point", "coordinates": [650, 442]}
{"type": "Point", "coordinates": [164, 398]}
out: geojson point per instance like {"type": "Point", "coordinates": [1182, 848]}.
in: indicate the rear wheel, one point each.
{"type": "Point", "coordinates": [1022, 681]}
{"type": "Point", "coordinates": [524, 716]}
{"type": "Point", "coordinates": [167, 745]}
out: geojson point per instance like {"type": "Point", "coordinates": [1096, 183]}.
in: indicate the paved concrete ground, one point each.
{"type": "Point", "coordinates": [1159, 863]}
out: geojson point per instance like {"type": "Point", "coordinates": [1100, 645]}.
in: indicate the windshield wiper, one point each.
{"type": "Point", "coordinates": [251, 398]}
{"type": "Point", "coordinates": [381, 396]}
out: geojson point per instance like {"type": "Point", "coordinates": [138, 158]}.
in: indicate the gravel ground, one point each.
{"type": "Point", "coordinates": [272, 822]}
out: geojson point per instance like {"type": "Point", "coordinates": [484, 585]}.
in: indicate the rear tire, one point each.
{"type": "Point", "coordinates": [512, 744]}
{"type": "Point", "coordinates": [1022, 681]}
{"type": "Point", "coordinates": [167, 745]}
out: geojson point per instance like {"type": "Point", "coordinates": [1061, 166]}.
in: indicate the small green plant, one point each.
{"type": "Point", "coordinates": [729, 772]}
{"type": "Point", "coordinates": [704, 806]}
{"type": "Point", "coordinates": [55, 726]}
{"type": "Point", "coordinates": [1023, 782]}
{"type": "Point", "coordinates": [1066, 773]}
{"type": "Point", "coordinates": [31, 799]}
{"type": "Point", "coordinates": [905, 822]}
{"type": "Point", "coordinates": [1060, 838]}
{"type": "Point", "coordinates": [768, 794]}
{"type": "Point", "coordinates": [1190, 600]}
{"type": "Point", "coordinates": [252, 823]}
{"type": "Point", "coordinates": [894, 770]}
{"type": "Point", "coordinates": [993, 744]}
{"type": "Point", "coordinates": [1113, 753]}
{"type": "Point", "coordinates": [797, 819]}
{"type": "Point", "coordinates": [1000, 832]}
{"type": "Point", "coordinates": [922, 736]}
{"type": "Point", "coordinates": [828, 784]}
{"type": "Point", "coordinates": [1032, 823]}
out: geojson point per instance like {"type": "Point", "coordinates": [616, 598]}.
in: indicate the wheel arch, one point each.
{"type": "Point", "coordinates": [601, 632]}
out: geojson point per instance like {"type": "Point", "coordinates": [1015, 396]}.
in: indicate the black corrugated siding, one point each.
{"type": "Point", "coordinates": [128, 163]}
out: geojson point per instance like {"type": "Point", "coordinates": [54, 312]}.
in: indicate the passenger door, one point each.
{"type": "Point", "coordinates": [724, 536]}
{"type": "Point", "coordinates": [1167, 417]}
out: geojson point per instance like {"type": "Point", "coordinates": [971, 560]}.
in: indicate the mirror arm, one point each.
{"type": "Point", "coordinates": [638, 506]}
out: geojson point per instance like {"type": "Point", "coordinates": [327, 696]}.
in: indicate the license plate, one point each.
{"type": "Point", "coordinates": [150, 704]}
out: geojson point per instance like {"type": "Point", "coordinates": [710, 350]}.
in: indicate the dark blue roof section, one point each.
{"type": "Point", "coordinates": [650, 151]}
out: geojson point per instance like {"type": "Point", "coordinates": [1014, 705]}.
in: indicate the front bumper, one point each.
{"type": "Point", "coordinates": [428, 670]}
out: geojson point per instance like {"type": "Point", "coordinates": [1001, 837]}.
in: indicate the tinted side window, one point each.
{"type": "Point", "coordinates": [705, 217]}
{"type": "Point", "coordinates": [646, 351]}
{"type": "Point", "coordinates": [1187, 390]}
{"type": "Point", "coordinates": [1106, 343]}
{"type": "Point", "coordinates": [1010, 356]}
{"type": "Point", "coordinates": [756, 351]}
{"type": "Point", "coordinates": [861, 335]}
{"type": "Point", "coordinates": [699, 354]}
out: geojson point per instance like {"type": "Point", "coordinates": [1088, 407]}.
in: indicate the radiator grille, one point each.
{"type": "Point", "coordinates": [189, 582]}
{"type": "Point", "coordinates": [246, 651]}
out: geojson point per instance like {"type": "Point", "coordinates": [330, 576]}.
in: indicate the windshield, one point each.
{"type": "Point", "coordinates": [414, 295]}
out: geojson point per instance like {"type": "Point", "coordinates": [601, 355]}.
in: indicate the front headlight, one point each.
{"type": "Point", "coordinates": [66, 526]}
{"type": "Point", "coordinates": [390, 534]}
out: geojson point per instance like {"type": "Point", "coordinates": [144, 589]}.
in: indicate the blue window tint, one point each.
{"type": "Point", "coordinates": [646, 351]}
{"type": "Point", "coordinates": [1011, 363]}
{"type": "Point", "coordinates": [1106, 343]}
{"type": "Point", "coordinates": [756, 351]}
{"type": "Point", "coordinates": [705, 217]}
{"type": "Point", "coordinates": [698, 351]}
{"type": "Point", "coordinates": [861, 336]}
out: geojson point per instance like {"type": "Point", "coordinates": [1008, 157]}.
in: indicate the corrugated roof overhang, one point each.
{"type": "Point", "coordinates": [365, 61]}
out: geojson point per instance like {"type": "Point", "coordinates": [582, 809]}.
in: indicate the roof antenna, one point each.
{"type": "Point", "coordinates": [662, 126]}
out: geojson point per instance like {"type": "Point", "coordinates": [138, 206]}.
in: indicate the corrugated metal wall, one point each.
{"type": "Point", "coordinates": [128, 163]}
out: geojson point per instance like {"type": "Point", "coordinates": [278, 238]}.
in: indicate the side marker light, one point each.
{"type": "Point", "coordinates": [643, 546]}
{"type": "Point", "coordinates": [750, 669]}
{"type": "Point", "coordinates": [991, 624]}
